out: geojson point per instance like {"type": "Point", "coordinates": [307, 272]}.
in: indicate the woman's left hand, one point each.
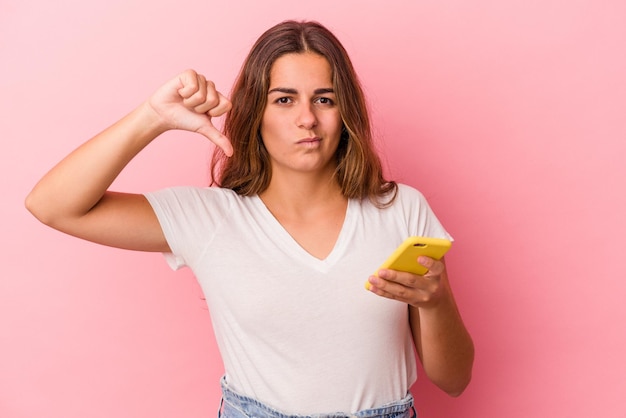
{"type": "Point", "coordinates": [413, 289]}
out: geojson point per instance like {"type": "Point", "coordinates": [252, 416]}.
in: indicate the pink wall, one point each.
{"type": "Point", "coordinates": [509, 116]}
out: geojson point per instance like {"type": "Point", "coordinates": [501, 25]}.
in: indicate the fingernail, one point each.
{"type": "Point", "coordinates": [371, 281]}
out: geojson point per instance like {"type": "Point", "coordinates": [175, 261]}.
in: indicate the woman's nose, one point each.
{"type": "Point", "coordinates": [306, 116]}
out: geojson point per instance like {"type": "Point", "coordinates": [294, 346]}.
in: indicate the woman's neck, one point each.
{"type": "Point", "coordinates": [299, 193]}
{"type": "Point", "coordinates": [312, 212]}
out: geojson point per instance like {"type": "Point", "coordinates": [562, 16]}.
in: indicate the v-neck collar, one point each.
{"type": "Point", "coordinates": [287, 243]}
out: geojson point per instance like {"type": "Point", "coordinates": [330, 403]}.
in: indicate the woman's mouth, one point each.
{"type": "Point", "coordinates": [313, 140]}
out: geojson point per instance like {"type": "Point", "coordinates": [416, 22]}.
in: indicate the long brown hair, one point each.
{"type": "Point", "coordinates": [248, 171]}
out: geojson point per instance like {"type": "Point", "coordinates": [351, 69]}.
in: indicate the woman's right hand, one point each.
{"type": "Point", "coordinates": [189, 102]}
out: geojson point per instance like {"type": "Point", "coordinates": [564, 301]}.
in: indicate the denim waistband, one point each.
{"type": "Point", "coordinates": [236, 405]}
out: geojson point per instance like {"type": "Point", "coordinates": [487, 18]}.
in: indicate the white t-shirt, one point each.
{"type": "Point", "coordinates": [295, 332]}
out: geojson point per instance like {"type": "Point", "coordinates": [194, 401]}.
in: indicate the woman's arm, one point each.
{"type": "Point", "coordinates": [73, 196]}
{"type": "Point", "coordinates": [443, 343]}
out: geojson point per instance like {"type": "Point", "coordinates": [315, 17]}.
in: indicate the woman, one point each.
{"type": "Point", "coordinates": [301, 218]}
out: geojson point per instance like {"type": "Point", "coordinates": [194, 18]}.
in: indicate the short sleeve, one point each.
{"type": "Point", "coordinates": [189, 217]}
{"type": "Point", "coordinates": [420, 218]}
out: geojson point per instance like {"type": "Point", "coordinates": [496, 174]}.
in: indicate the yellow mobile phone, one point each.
{"type": "Point", "coordinates": [404, 258]}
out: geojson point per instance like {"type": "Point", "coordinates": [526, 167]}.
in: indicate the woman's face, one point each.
{"type": "Point", "coordinates": [301, 123]}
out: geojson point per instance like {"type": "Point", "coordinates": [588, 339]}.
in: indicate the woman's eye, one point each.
{"type": "Point", "coordinates": [325, 101]}
{"type": "Point", "coordinates": [283, 100]}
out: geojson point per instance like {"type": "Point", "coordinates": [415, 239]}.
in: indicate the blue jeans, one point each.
{"type": "Point", "coordinates": [235, 405]}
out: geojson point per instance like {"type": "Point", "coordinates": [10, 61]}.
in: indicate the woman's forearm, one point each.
{"type": "Point", "coordinates": [79, 181]}
{"type": "Point", "coordinates": [444, 344]}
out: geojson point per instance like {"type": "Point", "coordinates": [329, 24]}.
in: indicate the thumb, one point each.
{"type": "Point", "coordinates": [215, 136]}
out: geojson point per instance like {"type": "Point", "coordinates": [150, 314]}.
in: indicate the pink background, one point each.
{"type": "Point", "coordinates": [509, 116]}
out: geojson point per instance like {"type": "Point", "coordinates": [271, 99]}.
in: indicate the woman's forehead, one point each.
{"type": "Point", "coordinates": [300, 69]}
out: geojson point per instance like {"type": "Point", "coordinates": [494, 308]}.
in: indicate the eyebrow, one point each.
{"type": "Point", "coordinates": [287, 90]}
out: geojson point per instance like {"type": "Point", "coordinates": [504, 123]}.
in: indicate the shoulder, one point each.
{"type": "Point", "coordinates": [403, 199]}
{"type": "Point", "coordinates": [408, 196]}
{"type": "Point", "coordinates": [187, 197]}
{"type": "Point", "coordinates": [410, 202]}
{"type": "Point", "coordinates": [409, 191]}
{"type": "Point", "coordinates": [194, 192]}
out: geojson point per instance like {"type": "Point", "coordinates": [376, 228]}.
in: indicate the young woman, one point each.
{"type": "Point", "coordinates": [299, 218]}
